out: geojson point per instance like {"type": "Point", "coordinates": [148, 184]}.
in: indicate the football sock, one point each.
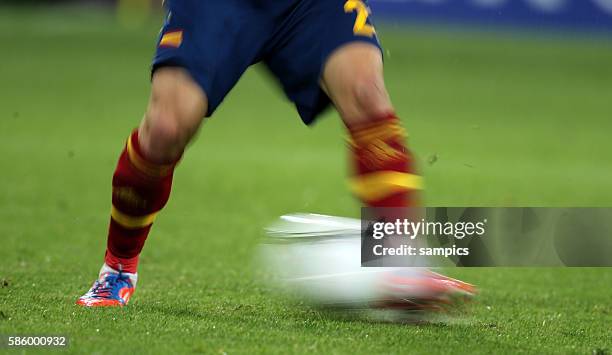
{"type": "Point", "coordinates": [383, 168]}
{"type": "Point", "coordinates": [140, 190]}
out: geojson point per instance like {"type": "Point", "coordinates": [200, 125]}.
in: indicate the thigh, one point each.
{"type": "Point", "coordinates": [215, 41]}
{"type": "Point", "coordinates": [306, 39]}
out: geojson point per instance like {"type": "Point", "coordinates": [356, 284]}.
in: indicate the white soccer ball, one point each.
{"type": "Point", "coordinates": [318, 258]}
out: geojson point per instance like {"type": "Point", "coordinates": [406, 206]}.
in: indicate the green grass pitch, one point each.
{"type": "Point", "coordinates": [513, 121]}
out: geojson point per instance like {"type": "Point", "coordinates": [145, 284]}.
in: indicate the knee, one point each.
{"type": "Point", "coordinates": [364, 98]}
{"type": "Point", "coordinates": [164, 128]}
{"type": "Point", "coordinates": [175, 112]}
{"type": "Point", "coordinates": [370, 96]}
{"type": "Point", "coordinates": [161, 136]}
{"type": "Point", "coordinates": [353, 78]}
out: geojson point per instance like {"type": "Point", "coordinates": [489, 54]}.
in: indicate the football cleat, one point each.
{"type": "Point", "coordinates": [423, 290]}
{"type": "Point", "coordinates": [111, 289]}
{"type": "Point", "coordinates": [458, 287]}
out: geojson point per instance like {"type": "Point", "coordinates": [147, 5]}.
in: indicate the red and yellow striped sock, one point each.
{"type": "Point", "coordinates": [140, 190]}
{"type": "Point", "coordinates": [384, 173]}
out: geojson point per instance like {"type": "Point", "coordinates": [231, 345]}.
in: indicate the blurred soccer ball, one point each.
{"type": "Point", "coordinates": [318, 259]}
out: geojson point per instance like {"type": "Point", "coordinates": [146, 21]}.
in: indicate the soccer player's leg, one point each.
{"type": "Point", "coordinates": [384, 172]}
{"type": "Point", "coordinates": [198, 61]}
{"type": "Point", "coordinates": [143, 178]}
{"type": "Point", "coordinates": [334, 47]}
{"type": "Point", "coordinates": [334, 55]}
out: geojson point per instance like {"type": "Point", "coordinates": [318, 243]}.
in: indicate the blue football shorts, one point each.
{"type": "Point", "coordinates": [217, 40]}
